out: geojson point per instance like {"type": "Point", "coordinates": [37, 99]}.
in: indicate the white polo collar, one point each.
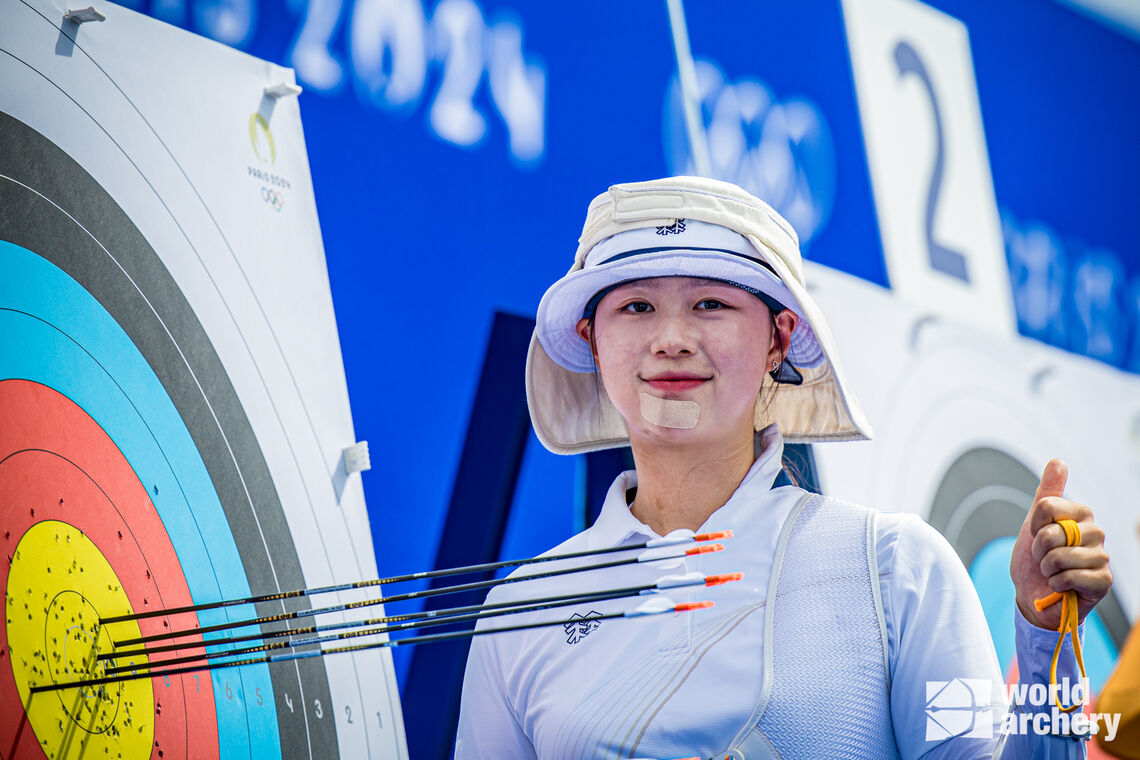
{"type": "Point", "coordinates": [617, 525]}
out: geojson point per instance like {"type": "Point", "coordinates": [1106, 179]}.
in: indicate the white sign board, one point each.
{"type": "Point", "coordinates": [930, 173]}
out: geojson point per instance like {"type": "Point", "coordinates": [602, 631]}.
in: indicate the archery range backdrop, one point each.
{"type": "Point", "coordinates": [963, 177]}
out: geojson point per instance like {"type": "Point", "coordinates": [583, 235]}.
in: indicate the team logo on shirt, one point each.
{"type": "Point", "coordinates": [580, 626]}
{"type": "Point", "coordinates": [676, 228]}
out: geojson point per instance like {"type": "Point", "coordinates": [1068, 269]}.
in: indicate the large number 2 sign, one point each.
{"type": "Point", "coordinates": [926, 151]}
{"type": "Point", "coordinates": [942, 258]}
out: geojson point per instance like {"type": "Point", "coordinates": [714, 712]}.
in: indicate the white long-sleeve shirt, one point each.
{"type": "Point", "coordinates": [683, 685]}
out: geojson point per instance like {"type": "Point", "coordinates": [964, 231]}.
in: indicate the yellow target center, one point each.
{"type": "Point", "coordinates": [75, 639]}
{"type": "Point", "coordinates": [59, 585]}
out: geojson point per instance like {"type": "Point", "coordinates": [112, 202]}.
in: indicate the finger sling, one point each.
{"type": "Point", "coordinates": [1069, 619]}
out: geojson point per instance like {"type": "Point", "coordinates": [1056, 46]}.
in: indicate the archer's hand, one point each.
{"type": "Point", "coordinates": [1042, 562]}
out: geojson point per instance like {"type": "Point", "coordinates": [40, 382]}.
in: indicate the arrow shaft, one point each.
{"type": "Point", "coordinates": [478, 585]}
{"type": "Point", "coordinates": [476, 568]}
{"type": "Point", "coordinates": [537, 606]}
{"type": "Point", "coordinates": [287, 656]}
{"type": "Point", "coordinates": [444, 613]}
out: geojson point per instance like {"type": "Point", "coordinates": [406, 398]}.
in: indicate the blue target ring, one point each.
{"type": "Point", "coordinates": [90, 308]}
{"type": "Point", "coordinates": [55, 333]}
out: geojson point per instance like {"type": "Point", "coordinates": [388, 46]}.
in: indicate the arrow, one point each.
{"type": "Point", "coordinates": [676, 537]}
{"type": "Point", "coordinates": [535, 605]}
{"type": "Point", "coordinates": [655, 606]}
{"type": "Point", "coordinates": [649, 555]}
{"type": "Point", "coordinates": [666, 582]}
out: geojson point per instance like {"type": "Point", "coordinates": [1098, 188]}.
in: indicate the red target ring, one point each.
{"type": "Point", "coordinates": [56, 463]}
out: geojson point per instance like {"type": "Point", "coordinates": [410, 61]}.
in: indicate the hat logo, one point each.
{"type": "Point", "coordinates": [676, 228]}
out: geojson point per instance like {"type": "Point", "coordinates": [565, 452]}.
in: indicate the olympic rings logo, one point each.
{"type": "Point", "coordinates": [780, 150]}
{"type": "Point", "coordinates": [273, 199]}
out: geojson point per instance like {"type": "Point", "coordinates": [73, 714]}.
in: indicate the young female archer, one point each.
{"type": "Point", "coordinates": [684, 330]}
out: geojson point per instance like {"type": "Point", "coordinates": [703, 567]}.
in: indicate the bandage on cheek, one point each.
{"type": "Point", "coordinates": [668, 412]}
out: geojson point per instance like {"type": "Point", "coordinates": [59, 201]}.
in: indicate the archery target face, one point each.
{"type": "Point", "coordinates": [86, 421]}
{"type": "Point", "coordinates": [161, 444]}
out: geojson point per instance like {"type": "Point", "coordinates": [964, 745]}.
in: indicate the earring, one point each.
{"type": "Point", "coordinates": [784, 372]}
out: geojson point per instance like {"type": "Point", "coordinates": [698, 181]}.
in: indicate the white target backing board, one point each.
{"type": "Point", "coordinates": [173, 407]}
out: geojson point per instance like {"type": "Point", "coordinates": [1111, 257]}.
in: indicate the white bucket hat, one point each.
{"type": "Point", "coordinates": [692, 227]}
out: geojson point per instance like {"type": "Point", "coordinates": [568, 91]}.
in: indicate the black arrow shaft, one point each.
{"type": "Point", "coordinates": [145, 651]}
{"type": "Point", "coordinates": [372, 602]}
{"type": "Point", "coordinates": [415, 625]}
{"type": "Point", "coordinates": [287, 656]}
{"type": "Point", "coordinates": [281, 595]}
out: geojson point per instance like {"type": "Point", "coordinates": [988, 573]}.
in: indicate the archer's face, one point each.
{"type": "Point", "coordinates": [688, 339]}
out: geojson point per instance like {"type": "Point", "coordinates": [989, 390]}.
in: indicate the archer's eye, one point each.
{"type": "Point", "coordinates": [711, 304]}
{"type": "Point", "coordinates": [637, 307]}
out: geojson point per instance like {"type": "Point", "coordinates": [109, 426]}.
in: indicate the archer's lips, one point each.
{"type": "Point", "coordinates": [676, 381]}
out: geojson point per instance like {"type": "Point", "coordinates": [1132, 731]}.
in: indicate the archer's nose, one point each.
{"type": "Point", "coordinates": [674, 336]}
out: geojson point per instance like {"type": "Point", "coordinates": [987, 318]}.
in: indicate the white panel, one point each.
{"type": "Point", "coordinates": [930, 173]}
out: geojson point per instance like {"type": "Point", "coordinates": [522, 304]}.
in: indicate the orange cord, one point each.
{"type": "Point", "coordinates": [1069, 619]}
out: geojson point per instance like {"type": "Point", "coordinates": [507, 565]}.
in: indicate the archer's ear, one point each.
{"type": "Point", "coordinates": [583, 328]}
{"type": "Point", "coordinates": [786, 322]}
